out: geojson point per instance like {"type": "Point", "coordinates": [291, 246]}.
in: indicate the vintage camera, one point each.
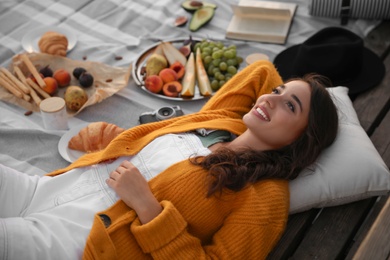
{"type": "Point", "coordinates": [160, 114]}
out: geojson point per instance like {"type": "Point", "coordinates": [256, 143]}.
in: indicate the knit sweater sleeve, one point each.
{"type": "Point", "coordinates": [240, 92]}
{"type": "Point", "coordinates": [250, 231]}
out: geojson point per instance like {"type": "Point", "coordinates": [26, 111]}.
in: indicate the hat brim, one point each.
{"type": "Point", "coordinates": [371, 73]}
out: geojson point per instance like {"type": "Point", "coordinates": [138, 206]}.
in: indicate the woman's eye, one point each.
{"type": "Point", "coordinates": [275, 91]}
{"type": "Point", "coordinates": [291, 106]}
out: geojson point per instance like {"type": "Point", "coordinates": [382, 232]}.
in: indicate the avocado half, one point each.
{"type": "Point", "coordinates": [191, 5]}
{"type": "Point", "coordinates": [201, 17]}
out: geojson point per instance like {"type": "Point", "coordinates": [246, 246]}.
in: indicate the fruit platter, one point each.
{"type": "Point", "coordinates": [185, 69]}
{"type": "Point", "coordinates": [81, 83]}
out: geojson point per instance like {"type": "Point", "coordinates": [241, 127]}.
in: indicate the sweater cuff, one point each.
{"type": "Point", "coordinates": [161, 230]}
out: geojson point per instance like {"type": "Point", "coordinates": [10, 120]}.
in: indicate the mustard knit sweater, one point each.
{"type": "Point", "coordinates": [237, 225]}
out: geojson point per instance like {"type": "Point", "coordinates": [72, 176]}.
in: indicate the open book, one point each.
{"type": "Point", "coordinates": [262, 21]}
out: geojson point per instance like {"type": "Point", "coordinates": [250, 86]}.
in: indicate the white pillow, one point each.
{"type": "Point", "coordinates": [350, 169]}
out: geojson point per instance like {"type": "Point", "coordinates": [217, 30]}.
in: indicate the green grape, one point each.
{"type": "Point", "coordinates": [220, 77]}
{"type": "Point", "coordinates": [196, 46]}
{"type": "Point", "coordinates": [216, 71]}
{"type": "Point", "coordinates": [221, 83]}
{"type": "Point", "coordinates": [232, 70]}
{"type": "Point", "coordinates": [231, 62]}
{"type": "Point", "coordinates": [204, 44]}
{"type": "Point", "coordinates": [207, 50]}
{"type": "Point", "coordinates": [227, 78]}
{"type": "Point", "coordinates": [203, 55]}
{"type": "Point", "coordinates": [216, 62]}
{"type": "Point", "coordinates": [220, 45]}
{"type": "Point", "coordinates": [210, 70]}
{"type": "Point", "coordinates": [229, 54]}
{"type": "Point", "coordinates": [223, 66]}
{"type": "Point", "coordinates": [217, 54]}
{"type": "Point", "coordinates": [207, 60]}
{"type": "Point", "coordinates": [214, 84]}
{"type": "Point", "coordinates": [239, 59]}
{"type": "Point", "coordinates": [217, 74]}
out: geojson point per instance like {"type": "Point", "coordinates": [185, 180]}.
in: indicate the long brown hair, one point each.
{"type": "Point", "coordinates": [235, 169]}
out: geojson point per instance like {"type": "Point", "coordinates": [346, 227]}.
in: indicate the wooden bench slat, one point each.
{"type": "Point", "coordinates": [331, 232]}
{"type": "Point", "coordinates": [376, 245]}
{"type": "Point", "coordinates": [372, 244]}
{"type": "Point", "coordinates": [372, 105]}
{"type": "Point", "coordinates": [296, 228]}
{"type": "Point", "coordinates": [365, 227]}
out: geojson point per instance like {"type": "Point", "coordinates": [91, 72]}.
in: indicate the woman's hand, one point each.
{"type": "Point", "coordinates": [133, 189]}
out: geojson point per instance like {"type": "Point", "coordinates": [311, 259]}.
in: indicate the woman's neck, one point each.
{"type": "Point", "coordinates": [247, 140]}
{"type": "Point", "coordinates": [244, 141]}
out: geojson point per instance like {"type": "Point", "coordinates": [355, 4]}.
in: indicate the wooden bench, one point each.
{"type": "Point", "coordinates": [359, 230]}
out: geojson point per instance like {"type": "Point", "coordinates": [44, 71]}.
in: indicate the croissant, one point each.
{"type": "Point", "coordinates": [53, 43]}
{"type": "Point", "coordinates": [94, 137]}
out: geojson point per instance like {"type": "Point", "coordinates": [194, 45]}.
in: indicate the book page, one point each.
{"type": "Point", "coordinates": [271, 6]}
{"type": "Point", "coordinates": [260, 13]}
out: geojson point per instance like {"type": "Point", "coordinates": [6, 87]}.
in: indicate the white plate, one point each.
{"type": "Point", "coordinates": [30, 40]}
{"type": "Point", "coordinates": [66, 153]}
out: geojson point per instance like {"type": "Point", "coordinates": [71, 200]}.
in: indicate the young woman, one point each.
{"type": "Point", "coordinates": [212, 184]}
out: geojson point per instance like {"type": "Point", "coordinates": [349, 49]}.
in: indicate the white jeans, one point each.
{"type": "Point", "coordinates": [45, 217]}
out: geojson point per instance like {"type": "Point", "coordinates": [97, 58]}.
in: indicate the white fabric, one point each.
{"type": "Point", "coordinates": [47, 216]}
{"type": "Point", "coordinates": [350, 170]}
{"type": "Point", "coordinates": [163, 152]}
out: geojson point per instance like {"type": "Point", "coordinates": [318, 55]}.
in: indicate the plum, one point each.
{"type": "Point", "coordinates": [86, 80]}
{"type": "Point", "coordinates": [78, 71]}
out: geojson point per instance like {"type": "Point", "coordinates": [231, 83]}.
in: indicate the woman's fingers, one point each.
{"type": "Point", "coordinates": [114, 175]}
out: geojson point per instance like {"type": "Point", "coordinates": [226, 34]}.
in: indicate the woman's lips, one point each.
{"type": "Point", "coordinates": [262, 113]}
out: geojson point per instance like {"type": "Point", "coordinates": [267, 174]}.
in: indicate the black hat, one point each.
{"type": "Point", "coordinates": [336, 53]}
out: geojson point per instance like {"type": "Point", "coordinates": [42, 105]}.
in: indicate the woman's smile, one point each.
{"type": "Point", "coordinates": [262, 113]}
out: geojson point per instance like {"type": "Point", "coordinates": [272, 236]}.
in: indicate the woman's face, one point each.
{"type": "Point", "coordinates": [279, 118]}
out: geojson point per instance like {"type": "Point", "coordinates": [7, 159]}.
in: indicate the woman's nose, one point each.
{"type": "Point", "coordinates": [271, 100]}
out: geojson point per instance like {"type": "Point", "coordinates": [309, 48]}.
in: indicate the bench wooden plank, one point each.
{"type": "Point", "coordinates": [372, 105]}
{"type": "Point", "coordinates": [333, 229]}
{"type": "Point", "coordinates": [297, 226]}
{"type": "Point", "coordinates": [376, 245]}
{"type": "Point", "coordinates": [365, 227]}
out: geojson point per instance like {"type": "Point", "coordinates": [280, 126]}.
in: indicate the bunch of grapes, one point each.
{"type": "Point", "coordinates": [221, 62]}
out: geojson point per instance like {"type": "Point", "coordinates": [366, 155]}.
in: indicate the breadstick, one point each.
{"type": "Point", "coordinates": [26, 97]}
{"type": "Point", "coordinates": [33, 70]}
{"type": "Point", "coordinates": [13, 84]}
{"type": "Point", "coordinates": [22, 78]}
{"type": "Point", "coordinates": [15, 80]}
{"type": "Point", "coordinates": [10, 82]}
{"type": "Point", "coordinates": [20, 75]}
{"type": "Point", "coordinates": [35, 97]}
{"type": "Point", "coordinates": [10, 88]}
{"type": "Point", "coordinates": [37, 88]}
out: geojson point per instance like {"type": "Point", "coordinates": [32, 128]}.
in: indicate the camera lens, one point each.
{"type": "Point", "coordinates": [165, 113]}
